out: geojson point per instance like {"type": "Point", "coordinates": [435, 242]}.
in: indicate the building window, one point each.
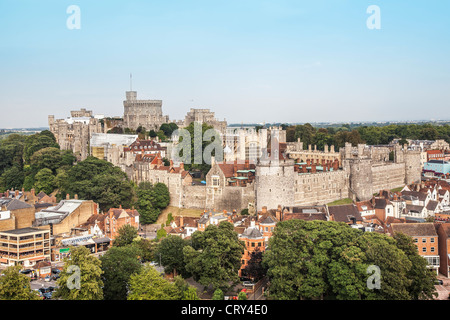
{"type": "Point", "coordinates": [424, 240]}
{"type": "Point", "coordinates": [424, 249]}
{"type": "Point", "coordinates": [432, 240]}
{"type": "Point", "coordinates": [253, 244]}
{"type": "Point", "coordinates": [432, 249]}
{"type": "Point", "coordinates": [215, 181]}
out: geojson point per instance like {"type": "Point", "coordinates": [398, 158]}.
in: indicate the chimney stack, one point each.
{"type": "Point", "coordinates": [67, 196]}
{"type": "Point", "coordinates": [182, 166]}
{"type": "Point", "coordinates": [75, 196]}
{"type": "Point", "coordinates": [181, 221]}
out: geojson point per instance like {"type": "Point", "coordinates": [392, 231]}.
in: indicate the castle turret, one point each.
{"type": "Point", "coordinates": [274, 183]}
{"type": "Point", "coordinates": [131, 95]}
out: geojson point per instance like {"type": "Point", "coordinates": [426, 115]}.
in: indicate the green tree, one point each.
{"type": "Point", "coordinates": [12, 177]}
{"type": "Point", "coordinates": [197, 146]}
{"type": "Point", "coordinates": [215, 256]}
{"type": "Point", "coordinates": [326, 259]}
{"type": "Point", "coordinates": [242, 296]}
{"type": "Point", "coordinates": [126, 234]}
{"type": "Point", "coordinates": [46, 158]}
{"type": "Point", "coordinates": [170, 249]}
{"type": "Point", "coordinates": [255, 269]}
{"type": "Point", "coordinates": [37, 142]}
{"type": "Point", "coordinates": [161, 233]}
{"type": "Point", "coordinates": [100, 181]}
{"type": "Point", "coordinates": [145, 247]}
{"type": "Point", "coordinates": [168, 128]}
{"type": "Point", "coordinates": [11, 152]}
{"type": "Point", "coordinates": [82, 263]}
{"type": "Point", "coordinates": [149, 284]}
{"type": "Point", "coordinates": [16, 286]}
{"type": "Point", "coordinates": [118, 264]}
{"type": "Point", "coordinates": [44, 181]}
{"type": "Point", "coordinates": [218, 295]}
{"type": "Point", "coordinates": [151, 200]}
{"type": "Point", "coordinates": [190, 294]}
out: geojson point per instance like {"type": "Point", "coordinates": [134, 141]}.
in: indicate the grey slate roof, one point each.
{"type": "Point", "coordinates": [432, 205]}
{"type": "Point", "coordinates": [252, 233]}
{"type": "Point", "coordinates": [13, 204]}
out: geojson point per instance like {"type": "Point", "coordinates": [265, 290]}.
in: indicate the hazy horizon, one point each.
{"type": "Point", "coordinates": [287, 61]}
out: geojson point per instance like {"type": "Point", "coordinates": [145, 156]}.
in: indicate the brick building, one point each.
{"type": "Point", "coordinates": [426, 239]}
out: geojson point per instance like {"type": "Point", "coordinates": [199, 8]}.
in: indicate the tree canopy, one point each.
{"type": "Point", "coordinates": [118, 264]}
{"type": "Point", "coordinates": [326, 259]}
{"type": "Point", "coordinates": [15, 285]}
{"type": "Point", "coordinates": [80, 278]}
{"type": "Point", "coordinates": [214, 258]}
{"type": "Point", "coordinates": [151, 199]}
{"type": "Point", "coordinates": [100, 181]}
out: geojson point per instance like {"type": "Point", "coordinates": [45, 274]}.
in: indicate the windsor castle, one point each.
{"type": "Point", "coordinates": [251, 175]}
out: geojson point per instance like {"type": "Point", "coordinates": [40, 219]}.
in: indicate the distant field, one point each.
{"type": "Point", "coordinates": [340, 202]}
{"type": "Point", "coordinates": [178, 212]}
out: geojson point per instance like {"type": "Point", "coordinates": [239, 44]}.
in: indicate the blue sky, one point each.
{"type": "Point", "coordinates": [249, 61]}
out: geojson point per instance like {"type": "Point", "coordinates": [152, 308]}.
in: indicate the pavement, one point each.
{"type": "Point", "coordinates": [36, 284]}
{"type": "Point", "coordinates": [443, 290]}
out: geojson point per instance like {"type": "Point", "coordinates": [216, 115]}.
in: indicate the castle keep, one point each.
{"type": "Point", "coordinates": [145, 113]}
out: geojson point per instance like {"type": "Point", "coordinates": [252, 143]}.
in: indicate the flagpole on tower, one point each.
{"type": "Point", "coordinates": [131, 82]}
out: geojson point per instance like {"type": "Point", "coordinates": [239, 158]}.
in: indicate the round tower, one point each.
{"type": "Point", "coordinates": [274, 183]}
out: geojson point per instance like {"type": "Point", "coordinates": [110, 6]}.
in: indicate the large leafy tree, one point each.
{"type": "Point", "coordinates": [12, 178]}
{"type": "Point", "coordinates": [44, 181]}
{"type": "Point", "coordinates": [151, 199]}
{"type": "Point", "coordinates": [81, 277]}
{"type": "Point", "coordinates": [255, 269]}
{"type": "Point", "coordinates": [118, 264]}
{"type": "Point", "coordinates": [37, 142]}
{"type": "Point", "coordinates": [100, 181]}
{"type": "Point", "coordinates": [145, 247]}
{"type": "Point", "coordinates": [16, 286]}
{"type": "Point", "coordinates": [127, 233]}
{"type": "Point", "coordinates": [51, 158]}
{"type": "Point", "coordinates": [318, 259]}
{"type": "Point", "coordinates": [149, 284]}
{"type": "Point", "coordinates": [170, 249]}
{"type": "Point", "coordinates": [215, 256]}
{"type": "Point", "coordinates": [197, 144]}
{"type": "Point", "coordinates": [11, 151]}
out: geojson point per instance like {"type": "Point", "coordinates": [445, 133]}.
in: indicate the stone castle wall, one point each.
{"type": "Point", "coordinates": [388, 176]}
{"type": "Point", "coordinates": [320, 188]}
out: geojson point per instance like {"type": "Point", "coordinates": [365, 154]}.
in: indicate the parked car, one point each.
{"type": "Point", "coordinates": [248, 284]}
{"type": "Point", "coordinates": [439, 281]}
{"type": "Point", "coordinates": [47, 278]}
{"type": "Point", "coordinates": [40, 293]}
{"type": "Point", "coordinates": [47, 295]}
